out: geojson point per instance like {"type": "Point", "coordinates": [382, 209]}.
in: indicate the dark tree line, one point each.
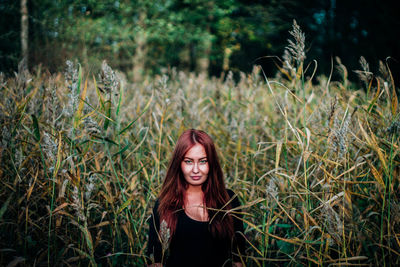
{"type": "Point", "coordinates": [139, 36]}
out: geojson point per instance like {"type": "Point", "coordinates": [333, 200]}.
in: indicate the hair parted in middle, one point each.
{"type": "Point", "coordinates": [172, 194]}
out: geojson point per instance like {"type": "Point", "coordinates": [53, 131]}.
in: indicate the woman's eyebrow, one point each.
{"type": "Point", "coordinates": [192, 159]}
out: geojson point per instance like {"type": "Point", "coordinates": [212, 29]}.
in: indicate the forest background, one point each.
{"type": "Point", "coordinates": [94, 94]}
{"type": "Point", "coordinates": [145, 37]}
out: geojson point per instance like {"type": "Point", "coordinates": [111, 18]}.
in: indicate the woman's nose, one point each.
{"type": "Point", "coordinates": [195, 168]}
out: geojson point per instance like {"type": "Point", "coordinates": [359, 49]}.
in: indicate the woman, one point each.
{"type": "Point", "coordinates": [194, 220]}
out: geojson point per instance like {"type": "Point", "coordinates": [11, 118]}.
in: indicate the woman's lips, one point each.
{"type": "Point", "coordinates": [196, 177]}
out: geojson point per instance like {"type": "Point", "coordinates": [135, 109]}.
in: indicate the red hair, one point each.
{"type": "Point", "coordinates": [172, 194]}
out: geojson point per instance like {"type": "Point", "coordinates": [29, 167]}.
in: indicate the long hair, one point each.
{"type": "Point", "coordinates": [172, 194]}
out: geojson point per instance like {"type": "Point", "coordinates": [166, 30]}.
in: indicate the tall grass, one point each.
{"type": "Point", "coordinates": [314, 162]}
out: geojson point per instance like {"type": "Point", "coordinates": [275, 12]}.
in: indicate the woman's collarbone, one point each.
{"type": "Point", "coordinates": [197, 212]}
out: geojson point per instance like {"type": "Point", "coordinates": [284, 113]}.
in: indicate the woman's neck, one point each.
{"type": "Point", "coordinates": [194, 190]}
{"type": "Point", "coordinates": [194, 204]}
{"type": "Point", "coordinates": [194, 195]}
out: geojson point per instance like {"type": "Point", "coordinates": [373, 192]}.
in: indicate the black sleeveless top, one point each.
{"type": "Point", "coordinates": [193, 244]}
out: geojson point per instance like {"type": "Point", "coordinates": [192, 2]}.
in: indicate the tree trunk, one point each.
{"type": "Point", "coordinates": [24, 33]}
{"type": "Point", "coordinates": [184, 58]}
{"type": "Point", "coordinates": [203, 61]}
{"type": "Point", "coordinates": [141, 50]}
{"type": "Point", "coordinates": [227, 55]}
{"type": "Point", "coordinates": [139, 57]}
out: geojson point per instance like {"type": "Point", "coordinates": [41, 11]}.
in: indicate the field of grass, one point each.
{"type": "Point", "coordinates": [314, 162]}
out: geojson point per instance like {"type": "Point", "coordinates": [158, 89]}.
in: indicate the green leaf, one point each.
{"type": "Point", "coordinates": [108, 140]}
{"type": "Point", "coordinates": [126, 204]}
{"type": "Point", "coordinates": [285, 247]}
{"type": "Point", "coordinates": [119, 100]}
{"type": "Point", "coordinates": [108, 115]}
{"type": "Point", "coordinates": [122, 150]}
{"type": "Point", "coordinates": [79, 79]}
{"type": "Point", "coordinates": [101, 114]}
{"type": "Point", "coordinates": [59, 155]}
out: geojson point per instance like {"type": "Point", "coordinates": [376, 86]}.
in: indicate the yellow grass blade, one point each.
{"type": "Point", "coordinates": [395, 102]}
{"type": "Point", "coordinates": [62, 206]}
{"type": "Point", "coordinates": [377, 175]}
{"type": "Point", "coordinates": [59, 155]}
{"type": "Point", "coordinates": [31, 187]}
{"type": "Point", "coordinates": [99, 95]}
{"type": "Point", "coordinates": [373, 144]}
{"type": "Point", "coordinates": [278, 154]}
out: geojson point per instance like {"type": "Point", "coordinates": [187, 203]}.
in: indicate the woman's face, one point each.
{"type": "Point", "coordinates": [195, 166]}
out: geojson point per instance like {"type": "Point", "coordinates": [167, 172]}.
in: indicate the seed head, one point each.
{"type": "Point", "coordinates": [365, 74]}
{"type": "Point", "coordinates": [77, 204]}
{"type": "Point", "coordinates": [288, 62]}
{"type": "Point", "coordinates": [272, 191]}
{"type": "Point", "coordinates": [71, 73]}
{"type": "Point", "coordinates": [384, 71]}
{"type": "Point", "coordinates": [165, 235]}
{"type": "Point", "coordinates": [332, 220]}
{"type": "Point", "coordinates": [71, 78]}
{"type": "Point", "coordinates": [53, 107]}
{"type": "Point", "coordinates": [295, 49]}
{"type": "Point", "coordinates": [90, 185]}
{"type": "Point", "coordinates": [108, 78]}
{"type": "Point", "coordinates": [49, 147]}
{"type": "Point", "coordinates": [338, 136]}
{"type": "Point", "coordinates": [90, 125]}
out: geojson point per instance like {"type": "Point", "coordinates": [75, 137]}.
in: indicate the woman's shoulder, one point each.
{"type": "Point", "coordinates": [235, 199]}
{"type": "Point", "coordinates": [156, 203]}
{"type": "Point", "coordinates": [155, 207]}
{"type": "Point", "coordinates": [231, 193]}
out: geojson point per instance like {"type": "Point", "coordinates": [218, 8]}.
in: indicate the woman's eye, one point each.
{"type": "Point", "coordinates": [203, 161]}
{"type": "Point", "coordinates": [188, 161]}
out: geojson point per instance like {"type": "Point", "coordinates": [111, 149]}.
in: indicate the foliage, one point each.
{"type": "Point", "coordinates": [230, 34]}
{"type": "Point", "coordinates": [315, 164]}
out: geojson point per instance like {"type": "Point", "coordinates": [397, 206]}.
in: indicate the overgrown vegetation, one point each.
{"type": "Point", "coordinates": [315, 163]}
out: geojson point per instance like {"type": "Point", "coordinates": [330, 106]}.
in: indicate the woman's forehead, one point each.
{"type": "Point", "coordinates": [196, 151]}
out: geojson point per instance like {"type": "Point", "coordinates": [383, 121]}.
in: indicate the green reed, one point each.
{"type": "Point", "coordinates": [313, 161]}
